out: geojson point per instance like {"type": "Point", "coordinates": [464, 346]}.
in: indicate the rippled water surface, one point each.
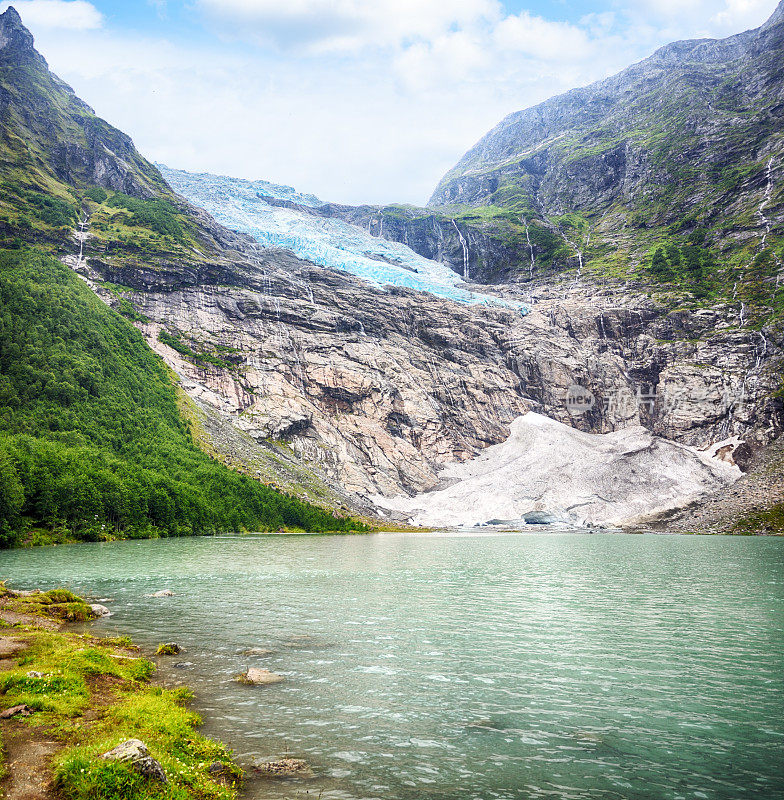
{"type": "Point", "coordinates": [462, 666]}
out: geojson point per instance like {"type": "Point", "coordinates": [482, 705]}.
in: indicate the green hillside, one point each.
{"type": "Point", "coordinates": [92, 445]}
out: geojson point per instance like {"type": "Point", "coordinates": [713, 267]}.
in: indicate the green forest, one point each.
{"type": "Point", "coordinates": [92, 444]}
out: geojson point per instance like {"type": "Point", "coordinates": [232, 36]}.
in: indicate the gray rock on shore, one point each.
{"type": "Point", "coordinates": [135, 753]}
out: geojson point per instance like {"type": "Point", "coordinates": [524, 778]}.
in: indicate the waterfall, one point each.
{"type": "Point", "coordinates": [765, 202]}
{"type": "Point", "coordinates": [742, 315]}
{"type": "Point", "coordinates": [81, 235]}
{"type": "Point", "coordinates": [530, 248]}
{"type": "Point", "coordinates": [577, 251]}
{"type": "Point", "coordinates": [764, 221]}
{"type": "Point", "coordinates": [761, 355]}
{"type": "Point", "coordinates": [464, 245]}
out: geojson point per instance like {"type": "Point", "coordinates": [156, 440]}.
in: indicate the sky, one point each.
{"type": "Point", "coordinates": [356, 101]}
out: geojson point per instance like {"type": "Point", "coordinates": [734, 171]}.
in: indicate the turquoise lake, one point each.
{"type": "Point", "coordinates": [466, 666]}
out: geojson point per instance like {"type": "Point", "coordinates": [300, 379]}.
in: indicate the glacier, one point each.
{"type": "Point", "coordinates": [240, 204]}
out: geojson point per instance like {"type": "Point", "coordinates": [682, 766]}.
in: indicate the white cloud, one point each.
{"type": "Point", "coordinates": [345, 25]}
{"type": "Point", "coordinates": [61, 14]}
{"type": "Point", "coordinates": [542, 39]}
{"type": "Point", "coordinates": [453, 57]}
{"type": "Point", "coordinates": [739, 14]}
{"type": "Point", "coordinates": [705, 17]}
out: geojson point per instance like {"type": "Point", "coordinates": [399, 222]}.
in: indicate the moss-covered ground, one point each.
{"type": "Point", "coordinates": [89, 694]}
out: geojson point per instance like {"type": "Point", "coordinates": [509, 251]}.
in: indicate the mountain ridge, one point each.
{"type": "Point", "coordinates": [666, 56]}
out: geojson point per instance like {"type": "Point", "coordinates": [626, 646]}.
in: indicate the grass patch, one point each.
{"type": "Point", "coordinates": [64, 675]}
{"type": "Point", "coordinates": [770, 521]}
{"type": "Point", "coordinates": [159, 718]}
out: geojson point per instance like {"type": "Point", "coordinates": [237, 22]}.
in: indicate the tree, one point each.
{"type": "Point", "coordinates": [11, 498]}
{"type": "Point", "coordinates": [660, 267]}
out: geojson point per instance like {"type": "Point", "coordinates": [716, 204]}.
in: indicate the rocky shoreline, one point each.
{"type": "Point", "coordinates": [81, 717]}
{"type": "Point", "coordinates": [85, 716]}
{"type": "Point", "coordinates": [753, 505]}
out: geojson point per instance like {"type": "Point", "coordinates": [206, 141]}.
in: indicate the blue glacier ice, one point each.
{"type": "Point", "coordinates": [239, 204]}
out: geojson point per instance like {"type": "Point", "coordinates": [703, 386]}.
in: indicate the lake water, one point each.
{"type": "Point", "coordinates": [467, 666]}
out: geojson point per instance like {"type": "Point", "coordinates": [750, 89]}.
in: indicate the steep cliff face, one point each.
{"type": "Point", "coordinates": [378, 390]}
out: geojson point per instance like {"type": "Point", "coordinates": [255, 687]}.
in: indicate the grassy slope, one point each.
{"type": "Point", "coordinates": [92, 444]}
{"type": "Point", "coordinates": [95, 693]}
{"type": "Point", "coordinates": [91, 440]}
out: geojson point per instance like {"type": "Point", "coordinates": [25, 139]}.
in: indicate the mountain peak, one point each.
{"type": "Point", "coordinates": [776, 17]}
{"type": "Point", "coordinates": [13, 34]}
{"type": "Point", "coordinates": [11, 16]}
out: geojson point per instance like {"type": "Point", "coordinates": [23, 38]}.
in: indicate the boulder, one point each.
{"type": "Point", "coordinates": [284, 767]}
{"type": "Point", "coordinates": [162, 593]}
{"type": "Point", "coordinates": [259, 677]}
{"type": "Point", "coordinates": [99, 610]}
{"type": "Point", "coordinates": [135, 753]}
{"type": "Point", "coordinates": [168, 649]}
{"type": "Point", "coordinates": [16, 711]}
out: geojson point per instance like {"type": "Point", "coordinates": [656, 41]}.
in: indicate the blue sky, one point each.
{"type": "Point", "coordinates": [353, 100]}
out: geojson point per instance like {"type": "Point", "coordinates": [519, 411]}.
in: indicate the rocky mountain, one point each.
{"type": "Point", "coordinates": [681, 153]}
{"type": "Point", "coordinates": [49, 134]}
{"type": "Point", "coordinates": [313, 374]}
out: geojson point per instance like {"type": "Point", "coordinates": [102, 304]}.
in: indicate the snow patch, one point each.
{"type": "Point", "coordinates": [549, 473]}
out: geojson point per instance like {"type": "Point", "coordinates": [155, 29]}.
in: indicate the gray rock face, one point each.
{"type": "Point", "coordinates": [690, 87]}
{"type": "Point", "coordinates": [135, 753]}
{"type": "Point", "coordinates": [14, 35]}
{"type": "Point", "coordinates": [378, 390]}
